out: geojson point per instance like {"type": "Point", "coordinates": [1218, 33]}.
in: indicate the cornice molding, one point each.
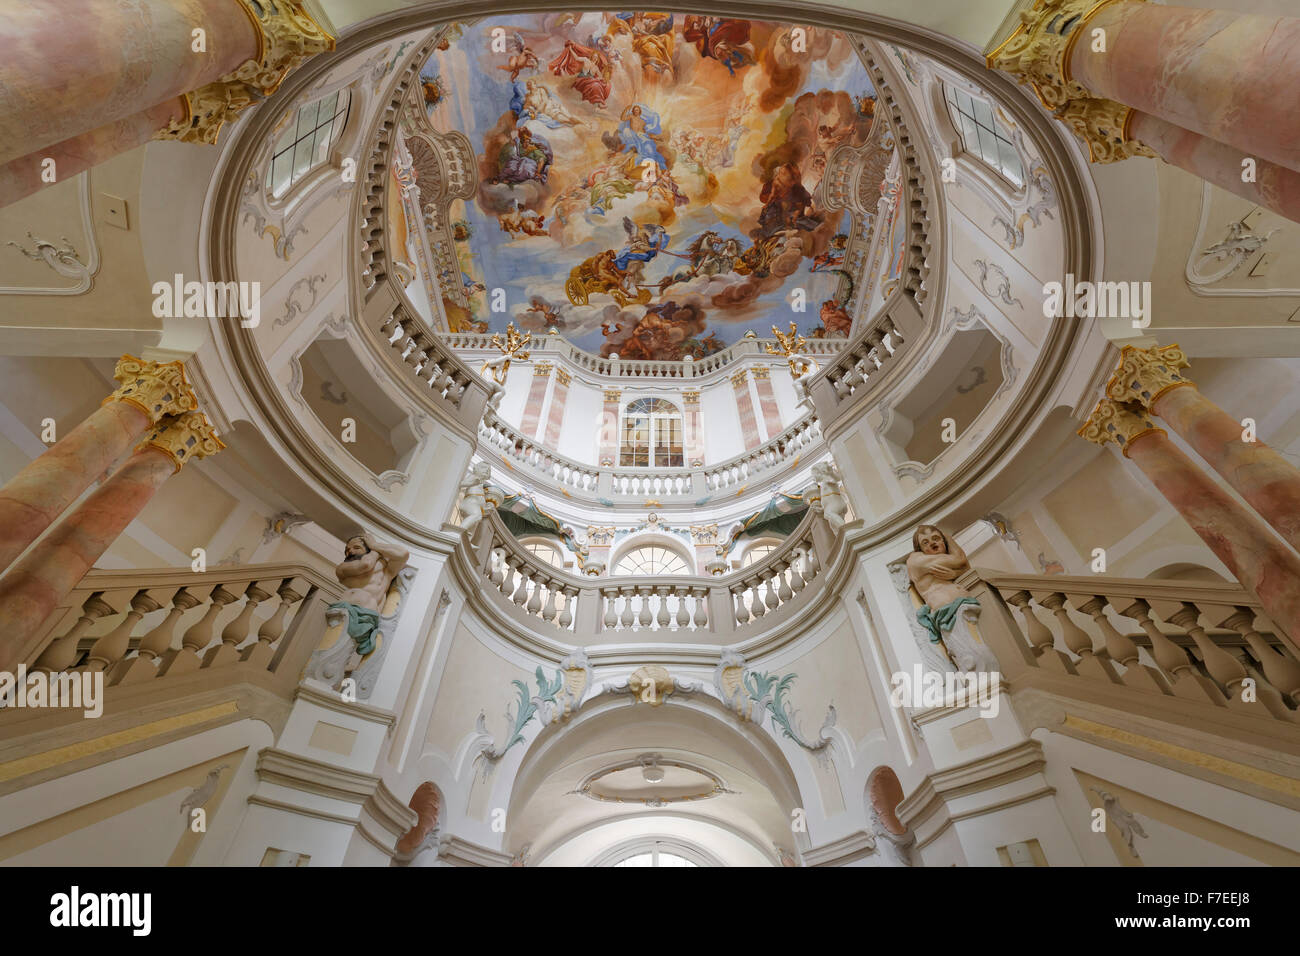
{"type": "Point", "coordinates": [315, 776]}
{"type": "Point", "coordinates": [331, 701]}
{"type": "Point", "coordinates": [840, 852]}
{"type": "Point", "coordinates": [974, 776]}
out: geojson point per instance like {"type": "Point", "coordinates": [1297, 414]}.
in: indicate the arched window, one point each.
{"type": "Point", "coordinates": [652, 559]}
{"type": "Point", "coordinates": [305, 143]}
{"type": "Point", "coordinates": [982, 135]}
{"type": "Point", "coordinates": [544, 553]}
{"type": "Point", "coordinates": [759, 550]}
{"type": "Point", "coordinates": [649, 851]}
{"type": "Point", "coordinates": [652, 435]}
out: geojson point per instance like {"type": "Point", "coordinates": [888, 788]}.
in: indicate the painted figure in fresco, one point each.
{"type": "Point", "coordinates": [591, 66]}
{"type": "Point", "coordinates": [661, 334]}
{"type": "Point", "coordinates": [661, 186]}
{"type": "Point", "coordinates": [835, 320]}
{"type": "Point", "coordinates": [522, 58]}
{"type": "Point", "coordinates": [522, 221]}
{"type": "Point", "coordinates": [726, 41]}
{"type": "Point", "coordinates": [652, 39]}
{"type": "Point", "coordinates": [620, 274]}
{"type": "Point", "coordinates": [833, 257]}
{"type": "Point", "coordinates": [639, 131]}
{"type": "Point", "coordinates": [548, 315]}
{"type": "Point", "coordinates": [710, 255]}
{"type": "Point", "coordinates": [933, 567]}
{"type": "Point", "coordinates": [605, 184]}
{"type": "Point", "coordinates": [786, 203]}
{"type": "Point", "coordinates": [524, 157]}
{"type": "Point", "coordinates": [367, 572]}
{"type": "Point", "coordinates": [533, 101]}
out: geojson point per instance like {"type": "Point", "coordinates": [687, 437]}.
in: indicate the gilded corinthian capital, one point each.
{"type": "Point", "coordinates": [156, 388]}
{"type": "Point", "coordinates": [184, 438]}
{"type": "Point", "coordinates": [287, 35]}
{"type": "Point", "coordinates": [1146, 374]}
{"type": "Point", "coordinates": [1038, 53]}
{"type": "Point", "coordinates": [1120, 422]}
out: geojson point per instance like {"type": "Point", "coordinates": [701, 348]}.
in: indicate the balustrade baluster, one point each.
{"type": "Point", "coordinates": [611, 613]}
{"type": "Point", "coordinates": [1078, 641]}
{"type": "Point", "coordinates": [551, 607]}
{"type": "Point", "coordinates": [566, 612]}
{"type": "Point", "coordinates": [1121, 650]}
{"type": "Point", "coordinates": [238, 630]}
{"type": "Point", "coordinates": [1282, 672]}
{"type": "Point", "coordinates": [1225, 669]}
{"type": "Point", "coordinates": [644, 617]}
{"type": "Point", "coordinates": [520, 597]}
{"type": "Point", "coordinates": [784, 592]}
{"type": "Point", "coordinates": [1173, 660]}
{"type": "Point", "coordinates": [770, 599]}
{"type": "Point", "coordinates": [661, 616]}
{"type": "Point", "coordinates": [155, 644]}
{"type": "Point", "coordinates": [1040, 636]}
{"type": "Point", "coordinates": [62, 651]}
{"type": "Point", "coordinates": [682, 618]}
{"type": "Point", "coordinates": [197, 637]}
{"type": "Point", "coordinates": [112, 647]}
{"type": "Point", "coordinates": [627, 619]}
{"type": "Point", "coordinates": [534, 604]}
{"type": "Point", "coordinates": [700, 617]}
{"type": "Point", "coordinates": [260, 654]}
{"type": "Point", "coordinates": [756, 606]}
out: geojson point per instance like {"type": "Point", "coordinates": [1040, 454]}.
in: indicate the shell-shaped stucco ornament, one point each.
{"type": "Point", "coordinates": [651, 683]}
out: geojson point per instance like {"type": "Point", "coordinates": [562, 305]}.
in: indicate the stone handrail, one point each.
{"type": "Point", "coordinates": [558, 347]}
{"type": "Point", "coordinates": [510, 445]}
{"type": "Point", "coordinates": [1165, 646]}
{"type": "Point", "coordinates": [265, 618]}
{"type": "Point", "coordinates": [583, 610]}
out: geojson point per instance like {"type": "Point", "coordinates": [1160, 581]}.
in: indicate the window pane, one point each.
{"type": "Point", "coordinates": [988, 147]}
{"type": "Point", "coordinates": [970, 136]}
{"type": "Point", "coordinates": [983, 114]}
{"type": "Point", "coordinates": [1010, 160]}
{"type": "Point", "coordinates": [307, 119]}
{"type": "Point", "coordinates": [963, 102]}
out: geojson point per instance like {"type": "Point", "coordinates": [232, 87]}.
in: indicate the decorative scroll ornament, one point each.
{"type": "Point", "coordinates": [557, 698]}
{"type": "Point", "coordinates": [156, 388]}
{"type": "Point", "coordinates": [751, 694]}
{"type": "Point", "coordinates": [1146, 374]}
{"type": "Point", "coordinates": [184, 438]}
{"type": "Point", "coordinates": [1223, 258]}
{"type": "Point", "coordinates": [64, 260]}
{"type": "Point", "coordinates": [1120, 422]}
{"type": "Point", "coordinates": [287, 35]}
{"type": "Point", "coordinates": [1038, 54]}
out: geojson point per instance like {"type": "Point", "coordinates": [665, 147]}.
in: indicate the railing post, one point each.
{"type": "Point", "coordinates": [997, 628]}
{"type": "Point", "coordinates": [586, 619]}
{"type": "Point", "coordinates": [722, 613]}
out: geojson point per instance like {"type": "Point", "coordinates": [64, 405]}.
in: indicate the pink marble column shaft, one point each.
{"type": "Point", "coordinates": [1268, 482]}
{"type": "Point", "coordinates": [33, 587]}
{"type": "Point", "coordinates": [1275, 187]}
{"type": "Point", "coordinates": [555, 415]}
{"type": "Point", "coordinates": [43, 489]}
{"type": "Point", "coordinates": [71, 67]}
{"type": "Point", "coordinates": [693, 430]}
{"type": "Point", "coordinates": [607, 440]}
{"type": "Point", "coordinates": [1231, 76]}
{"type": "Point", "coordinates": [23, 176]}
{"type": "Point", "coordinates": [767, 401]}
{"type": "Point", "coordinates": [745, 408]}
{"type": "Point", "coordinates": [1262, 564]}
{"type": "Point", "coordinates": [532, 416]}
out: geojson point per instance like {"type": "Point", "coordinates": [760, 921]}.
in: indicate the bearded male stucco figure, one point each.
{"type": "Point", "coordinates": [933, 567]}
{"type": "Point", "coordinates": [367, 571]}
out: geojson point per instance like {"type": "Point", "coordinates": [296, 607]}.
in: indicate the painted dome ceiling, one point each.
{"type": "Point", "coordinates": [647, 184]}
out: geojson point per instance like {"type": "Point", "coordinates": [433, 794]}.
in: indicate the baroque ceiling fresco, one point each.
{"type": "Point", "coordinates": [644, 183]}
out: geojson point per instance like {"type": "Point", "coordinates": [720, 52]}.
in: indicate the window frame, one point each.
{"type": "Point", "coordinates": [337, 132]}
{"type": "Point", "coordinates": [950, 93]}
{"type": "Point", "coordinates": [645, 449]}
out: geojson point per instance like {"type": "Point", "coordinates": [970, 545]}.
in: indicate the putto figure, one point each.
{"type": "Point", "coordinates": [933, 567]}
{"type": "Point", "coordinates": [367, 571]}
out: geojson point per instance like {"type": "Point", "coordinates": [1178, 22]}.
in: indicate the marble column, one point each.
{"type": "Point", "coordinates": [1153, 379]}
{"type": "Point", "coordinates": [1231, 76]}
{"type": "Point", "coordinates": [1273, 187]}
{"type": "Point", "coordinates": [98, 79]}
{"type": "Point", "coordinates": [1261, 563]}
{"type": "Point", "coordinates": [41, 491]}
{"type": "Point", "coordinates": [33, 588]}
{"type": "Point", "coordinates": [608, 439]}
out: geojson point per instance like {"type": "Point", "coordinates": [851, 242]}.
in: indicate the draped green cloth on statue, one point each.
{"type": "Point", "coordinates": [941, 621]}
{"type": "Point", "coordinates": [362, 625]}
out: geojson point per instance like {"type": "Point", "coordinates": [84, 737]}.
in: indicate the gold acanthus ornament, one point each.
{"type": "Point", "coordinates": [1144, 375]}
{"type": "Point", "coordinates": [156, 388]}
{"type": "Point", "coordinates": [1038, 53]}
{"type": "Point", "coordinates": [651, 683]}
{"type": "Point", "coordinates": [1120, 422]}
{"type": "Point", "coordinates": [287, 35]}
{"type": "Point", "coordinates": [184, 438]}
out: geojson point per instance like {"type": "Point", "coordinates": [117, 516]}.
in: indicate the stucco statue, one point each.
{"type": "Point", "coordinates": [828, 479]}
{"type": "Point", "coordinates": [474, 489]}
{"type": "Point", "coordinates": [803, 378]}
{"type": "Point", "coordinates": [948, 611]}
{"type": "Point", "coordinates": [367, 571]}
